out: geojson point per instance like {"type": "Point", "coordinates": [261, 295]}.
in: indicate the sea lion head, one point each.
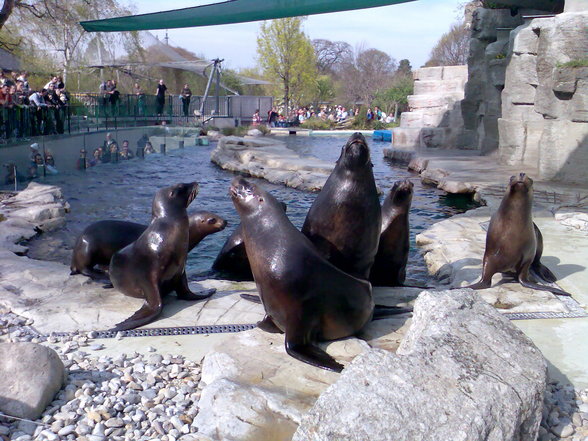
{"type": "Point", "coordinates": [210, 220]}
{"type": "Point", "coordinates": [402, 192]}
{"type": "Point", "coordinates": [520, 183]}
{"type": "Point", "coordinates": [355, 153]}
{"type": "Point", "coordinates": [174, 199]}
{"type": "Point", "coordinates": [247, 197]}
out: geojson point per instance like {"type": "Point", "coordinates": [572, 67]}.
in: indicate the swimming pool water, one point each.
{"type": "Point", "coordinates": [125, 191]}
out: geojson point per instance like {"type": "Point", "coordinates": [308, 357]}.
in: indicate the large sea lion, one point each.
{"type": "Point", "coordinates": [232, 260]}
{"type": "Point", "coordinates": [303, 294]}
{"type": "Point", "coordinates": [100, 240]}
{"type": "Point", "coordinates": [154, 264]}
{"type": "Point", "coordinates": [514, 243]}
{"type": "Point", "coordinates": [345, 219]}
{"type": "Point", "coordinates": [389, 268]}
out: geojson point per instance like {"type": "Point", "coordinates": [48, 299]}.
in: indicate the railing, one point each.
{"type": "Point", "coordinates": [95, 111]}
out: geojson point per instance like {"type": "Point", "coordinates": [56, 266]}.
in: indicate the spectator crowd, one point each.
{"type": "Point", "coordinates": [37, 112]}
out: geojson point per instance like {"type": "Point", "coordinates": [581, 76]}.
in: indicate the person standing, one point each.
{"type": "Point", "coordinates": [185, 96]}
{"type": "Point", "coordinates": [160, 97]}
{"type": "Point", "coordinates": [140, 99]}
{"type": "Point", "coordinates": [256, 118]}
{"type": "Point", "coordinates": [272, 117]}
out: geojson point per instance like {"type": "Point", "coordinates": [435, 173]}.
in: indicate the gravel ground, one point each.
{"type": "Point", "coordinates": [155, 396]}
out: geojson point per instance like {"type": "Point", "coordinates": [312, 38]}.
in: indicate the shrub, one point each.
{"type": "Point", "coordinates": [318, 124]}
{"type": "Point", "coordinates": [582, 62]}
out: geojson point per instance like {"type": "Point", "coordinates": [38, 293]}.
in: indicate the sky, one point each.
{"type": "Point", "coordinates": [408, 30]}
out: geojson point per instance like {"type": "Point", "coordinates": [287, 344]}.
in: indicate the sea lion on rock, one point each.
{"type": "Point", "coordinates": [232, 260]}
{"type": "Point", "coordinates": [303, 294]}
{"type": "Point", "coordinates": [100, 240]}
{"type": "Point", "coordinates": [345, 219]}
{"type": "Point", "coordinates": [154, 265]}
{"type": "Point", "coordinates": [389, 268]}
{"type": "Point", "coordinates": [514, 243]}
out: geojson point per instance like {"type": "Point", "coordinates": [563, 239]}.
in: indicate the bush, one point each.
{"type": "Point", "coordinates": [234, 131]}
{"type": "Point", "coordinates": [318, 124]}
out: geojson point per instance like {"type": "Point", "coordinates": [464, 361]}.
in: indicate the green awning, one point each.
{"type": "Point", "coordinates": [233, 11]}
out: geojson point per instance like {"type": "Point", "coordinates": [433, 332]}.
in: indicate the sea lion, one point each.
{"type": "Point", "coordinates": [154, 265]}
{"type": "Point", "coordinates": [345, 219]}
{"type": "Point", "coordinates": [303, 294]}
{"type": "Point", "coordinates": [514, 243]}
{"type": "Point", "coordinates": [389, 268]}
{"type": "Point", "coordinates": [100, 240]}
{"type": "Point", "coordinates": [232, 260]}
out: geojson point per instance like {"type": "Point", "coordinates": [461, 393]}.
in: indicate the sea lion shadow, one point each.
{"type": "Point", "coordinates": [561, 270]}
{"type": "Point", "coordinates": [380, 328]}
{"type": "Point", "coordinates": [469, 267]}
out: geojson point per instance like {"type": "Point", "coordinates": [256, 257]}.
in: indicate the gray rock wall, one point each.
{"type": "Point", "coordinates": [434, 120]}
{"type": "Point", "coordinates": [544, 123]}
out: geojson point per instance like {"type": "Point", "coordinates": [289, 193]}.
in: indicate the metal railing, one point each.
{"type": "Point", "coordinates": [95, 111]}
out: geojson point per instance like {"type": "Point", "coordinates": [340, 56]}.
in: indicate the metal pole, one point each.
{"type": "Point", "coordinates": [15, 180]}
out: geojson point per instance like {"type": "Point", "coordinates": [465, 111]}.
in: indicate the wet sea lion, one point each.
{"type": "Point", "coordinates": [303, 295]}
{"type": "Point", "coordinates": [345, 219]}
{"type": "Point", "coordinates": [389, 268]}
{"type": "Point", "coordinates": [232, 260]}
{"type": "Point", "coordinates": [100, 240]}
{"type": "Point", "coordinates": [514, 244]}
{"type": "Point", "coordinates": [154, 265]}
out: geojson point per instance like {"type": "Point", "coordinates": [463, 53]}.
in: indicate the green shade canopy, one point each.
{"type": "Point", "coordinates": [233, 11]}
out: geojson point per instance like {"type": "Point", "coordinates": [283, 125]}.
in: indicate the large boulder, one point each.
{"type": "Point", "coordinates": [462, 372]}
{"type": "Point", "coordinates": [30, 376]}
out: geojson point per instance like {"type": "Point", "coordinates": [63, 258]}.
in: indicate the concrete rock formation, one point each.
{"type": "Point", "coordinates": [545, 104]}
{"type": "Point", "coordinates": [434, 120]}
{"type": "Point", "coordinates": [271, 160]}
{"type": "Point", "coordinates": [462, 372]}
{"type": "Point", "coordinates": [30, 376]}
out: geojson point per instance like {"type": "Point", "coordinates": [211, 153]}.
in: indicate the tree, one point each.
{"type": "Point", "coordinates": [395, 98]}
{"type": "Point", "coordinates": [404, 68]}
{"type": "Point", "coordinates": [452, 48]}
{"type": "Point", "coordinates": [365, 73]}
{"type": "Point", "coordinates": [286, 57]}
{"type": "Point", "coordinates": [330, 54]}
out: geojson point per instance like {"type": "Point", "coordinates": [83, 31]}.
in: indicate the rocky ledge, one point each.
{"type": "Point", "coordinates": [461, 371]}
{"type": "Point", "coordinates": [271, 160]}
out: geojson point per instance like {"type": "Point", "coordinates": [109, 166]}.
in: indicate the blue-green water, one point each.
{"type": "Point", "coordinates": [125, 191]}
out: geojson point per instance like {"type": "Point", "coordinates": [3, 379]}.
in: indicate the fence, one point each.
{"type": "Point", "coordinates": [93, 111]}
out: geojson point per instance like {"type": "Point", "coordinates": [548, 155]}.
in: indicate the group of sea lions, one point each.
{"type": "Point", "coordinates": [315, 284]}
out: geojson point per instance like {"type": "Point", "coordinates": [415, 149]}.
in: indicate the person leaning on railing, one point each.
{"type": "Point", "coordinates": [7, 109]}
{"type": "Point", "coordinates": [38, 110]}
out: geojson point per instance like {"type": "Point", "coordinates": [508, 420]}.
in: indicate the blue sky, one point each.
{"type": "Point", "coordinates": [407, 30]}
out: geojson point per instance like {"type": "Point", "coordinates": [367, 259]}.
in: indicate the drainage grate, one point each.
{"type": "Point", "coordinates": [575, 311]}
{"type": "Point", "coordinates": [156, 332]}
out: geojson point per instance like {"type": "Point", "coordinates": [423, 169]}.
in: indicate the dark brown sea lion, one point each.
{"type": "Point", "coordinates": [154, 265]}
{"type": "Point", "coordinates": [303, 294]}
{"type": "Point", "coordinates": [389, 268]}
{"type": "Point", "coordinates": [514, 243]}
{"type": "Point", "coordinates": [100, 240]}
{"type": "Point", "coordinates": [345, 219]}
{"type": "Point", "coordinates": [232, 262]}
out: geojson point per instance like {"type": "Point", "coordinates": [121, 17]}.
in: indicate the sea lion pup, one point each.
{"type": "Point", "coordinates": [389, 268]}
{"type": "Point", "coordinates": [345, 219]}
{"type": "Point", "coordinates": [514, 243]}
{"type": "Point", "coordinates": [100, 240]}
{"type": "Point", "coordinates": [154, 265]}
{"type": "Point", "coordinates": [302, 293]}
{"type": "Point", "coordinates": [232, 260]}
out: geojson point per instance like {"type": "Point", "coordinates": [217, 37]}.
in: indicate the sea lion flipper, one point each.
{"type": "Point", "coordinates": [146, 314]}
{"type": "Point", "coordinates": [543, 272]}
{"type": "Point", "coordinates": [268, 325]}
{"type": "Point", "coordinates": [524, 280]}
{"type": "Point", "coordinates": [383, 311]}
{"type": "Point", "coordinates": [313, 355]}
{"type": "Point", "coordinates": [251, 298]}
{"type": "Point", "coordinates": [184, 292]}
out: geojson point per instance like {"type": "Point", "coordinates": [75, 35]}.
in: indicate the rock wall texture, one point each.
{"type": "Point", "coordinates": [544, 121]}
{"type": "Point", "coordinates": [434, 120]}
{"type": "Point", "coordinates": [462, 372]}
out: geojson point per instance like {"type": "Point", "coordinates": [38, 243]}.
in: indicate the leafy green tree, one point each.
{"type": "Point", "coordinates": [287, 58]}
{"type": "Point", "coordinates": [395, 98]}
